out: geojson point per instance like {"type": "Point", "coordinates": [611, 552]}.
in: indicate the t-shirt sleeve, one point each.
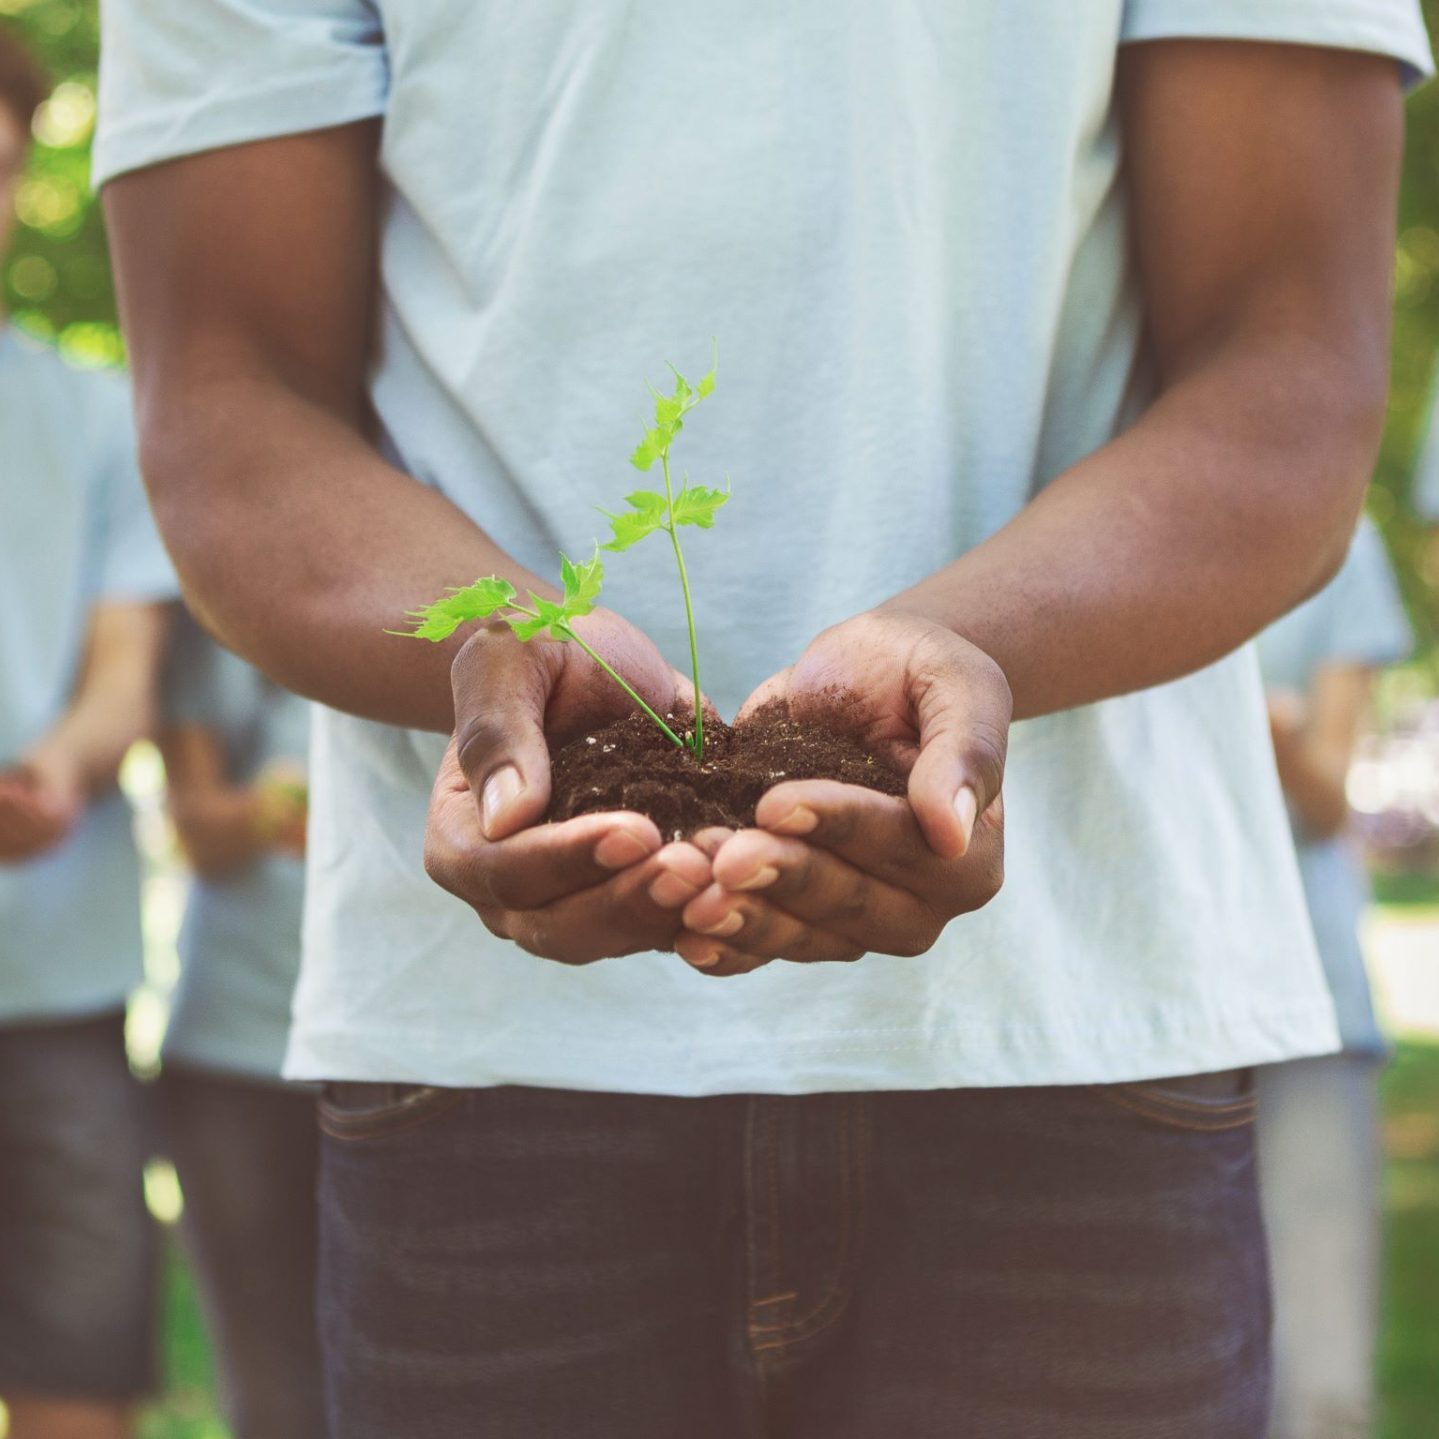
{"type": "Point", "coordinates": [1381, 27]}
{"type": "Point", "coordinates": [181, 76]}
{"type": "Point", "coordinates": [129, 562]}
{"type": "Point", "coordinates": [1367, 623]}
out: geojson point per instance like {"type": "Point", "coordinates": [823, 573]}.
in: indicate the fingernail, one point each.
{"type": "Point", "coordinates": [672, 891]}
{"type": "Point", "coordinates": [732, 923]}
{"type": "Point", "coordinates": [502, 789]}
{"type": "Point", "coordinates": [798, 821]}
{"type": "Point", "coordinates": [966, 806]}
{"type": "Point", "coordinates": [619, 849]}
{"type": "Point", "coordinates": [708, 960]}
{"type": "Point", "coordinates": [763, 877]}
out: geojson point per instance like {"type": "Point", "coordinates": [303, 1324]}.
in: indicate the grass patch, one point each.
{"type": "Point", "coordinates": [1408, 1372]}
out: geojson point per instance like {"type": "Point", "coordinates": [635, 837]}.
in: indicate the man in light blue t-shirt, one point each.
{"type": "Point", "coordinates": [1052, 348]}
{"type": "Point", "coordinates": [82, 581]}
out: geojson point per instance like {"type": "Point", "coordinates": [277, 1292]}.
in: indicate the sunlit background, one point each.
{"type": "Point", "coordinates": [57, 285]}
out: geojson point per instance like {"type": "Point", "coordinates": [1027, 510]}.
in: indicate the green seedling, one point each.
{"type": "Point", "coordinates": [649, 512]}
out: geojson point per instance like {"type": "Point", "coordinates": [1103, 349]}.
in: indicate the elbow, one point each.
{"type": "Point", "coordinates": [1339, 447]}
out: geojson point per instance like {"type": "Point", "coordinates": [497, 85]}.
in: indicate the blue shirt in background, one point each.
{"type": "Point", "coordinates": [240, 940]}
{"type": "Point", "coordinates": [75, 532]}
{"type": "Point", "coordinates": [1357, 619]}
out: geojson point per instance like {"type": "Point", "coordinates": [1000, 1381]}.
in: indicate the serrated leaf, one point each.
{"type": "Point", "coordinates": [547, 616]}
{"type": "Point", "coordinates": [526, 627]}
{"type": "Point", "coordinates": [668, 410]}
{"type": "Point", "coordinates": [706, 385]}
{"type": "Point", "coordinates": [647, 514]}
{"type": "Point", "coordinates": [582, 584]}
{"type": "Point", "coordinates": [696, 505]}
{"type": "Point", "coordinates": [645, 454]}
{"type": "Point", "coordinates": [478, 601]}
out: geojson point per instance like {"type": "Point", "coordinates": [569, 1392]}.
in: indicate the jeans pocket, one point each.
{"type": "Point", "coordinates": [355, 1111]}
{"type": "Point", "coordinates": [1205, 1102]}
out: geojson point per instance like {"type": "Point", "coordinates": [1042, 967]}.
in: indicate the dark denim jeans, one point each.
{"type": "Point", "coordinates": [1081, 1263]}
{"type": "Point", "coordinates": [78, 1251]}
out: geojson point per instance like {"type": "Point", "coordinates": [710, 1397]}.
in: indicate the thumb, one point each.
{"type": "Point", "coordinates": [501, 690]}
{"type": "Point", "coordinates": [962, 708]}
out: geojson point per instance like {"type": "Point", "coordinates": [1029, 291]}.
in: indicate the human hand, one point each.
{"type": "Point", "coordinates": [41, 798]}
{"type": "Point", "coordinates": [584, 889]}
{"type": "Point", "coordinates": [282, 807]}
{"type": "Point", "coordinates": [834, 871]}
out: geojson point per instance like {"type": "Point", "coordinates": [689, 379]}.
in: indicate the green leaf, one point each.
{"type": "Point", "coordinates": [668, 410]}
{"type": "Point", "coordinates": [696, 505]}
{"type": "Point", "coordinates": [706, 386]}
{"type": "Point", "coordinates": [645, 453]}
{"type": "Point", "coordinates": [478, 601]}
{"type": "Point", "coordinates": [647, 514]}
{"type": "Point", "coordinates": [582, 584]}
{"type": "Point", "coordinates": [547, 616]}
{"type": "Point", "coordinates": [526, 627]}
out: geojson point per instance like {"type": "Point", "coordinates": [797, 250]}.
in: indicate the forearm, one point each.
{"type": "Point", "coordinates": [1228, 502]}
{"type": "Point", "coordinates": [113, 707]}
{"type": "Point", "coordinates": [299, 546]}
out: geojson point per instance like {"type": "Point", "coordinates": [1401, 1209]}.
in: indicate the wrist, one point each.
{"type": "Point", "coordinates": [57, 772]}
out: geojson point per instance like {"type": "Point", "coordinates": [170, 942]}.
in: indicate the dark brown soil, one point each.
{"type": "Point", "coordinates": [630, 765]}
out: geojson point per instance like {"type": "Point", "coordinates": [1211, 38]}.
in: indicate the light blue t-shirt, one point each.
{"type": "Point", "coordinates": [240, 939]}
{"type": "Point", "coordinates": [75, 531]}
{"type": "Point", "coordinates": [1357, 619]}
{"type": "Point", "coordinates": [908, 227]}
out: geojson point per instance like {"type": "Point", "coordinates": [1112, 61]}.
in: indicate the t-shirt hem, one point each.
{"type": "Point", "coordinates": [59, 1011]}
{"type": "Point", "coordinates": [856, 1060]}
{"type": "Point", "coordinates": [1340, 24]}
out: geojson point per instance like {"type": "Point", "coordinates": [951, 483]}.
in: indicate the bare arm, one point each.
{"type": "Point", "coordinates": [114, 700]}
{"type": "Point", "coordinates": [1264, 182]}
{"type": "Point", "coordinates": [1314, 743]}
{"type": "Point", "coordinates": [247, 284]}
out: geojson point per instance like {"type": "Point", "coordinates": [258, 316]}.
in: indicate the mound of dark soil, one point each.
{"type": "Point", "coordinates": [630, 765]}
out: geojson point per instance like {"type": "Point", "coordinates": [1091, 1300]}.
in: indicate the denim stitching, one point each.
{"type": "Point", "coordinates": [1216, 1123]}
{"type": "Point", "coordinates": [828, 1309]}
{"type": "Point", "coordinates": [389, 1120]}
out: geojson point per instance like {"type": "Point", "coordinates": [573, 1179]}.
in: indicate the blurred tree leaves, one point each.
{"type": "Point", "coordinates": [1416, 347]}
{"type": "Point", "coordinates": [56, 276]}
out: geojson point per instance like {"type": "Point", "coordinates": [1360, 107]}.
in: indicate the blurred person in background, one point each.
{"type": "Point", "coordinates": [1319, 1139]}
{"type": "Point", "coordinates": [243, 1143]}
{"type": "Point", "coordinates": [83, 589]}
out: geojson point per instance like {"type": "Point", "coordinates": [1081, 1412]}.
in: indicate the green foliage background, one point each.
{"type": "Point", "coordinates": [57, 279]}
